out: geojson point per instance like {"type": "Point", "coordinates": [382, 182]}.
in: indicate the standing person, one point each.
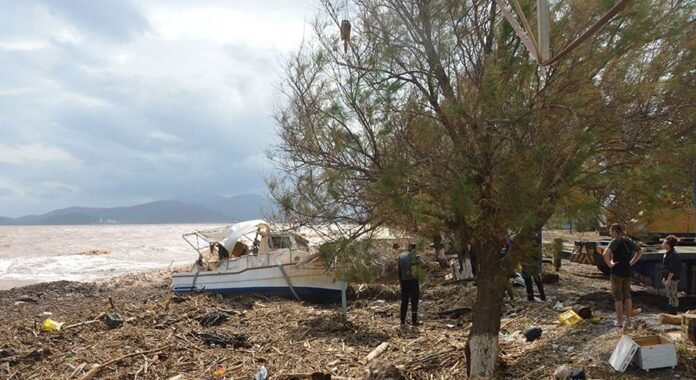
{"type": "Point", "coordinates": [508, 267]}
{"type": "Point", "coordinates": [671, 268]}
{"type": "Point", "coordinates": [409, 265]}
{"type": "Point", "coordinates": [531, 269]}
{"type": "Point", "coordinates": [621, 254]}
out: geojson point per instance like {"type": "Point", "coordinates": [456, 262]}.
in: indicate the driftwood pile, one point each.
{"type": "Point", "coordinates": [202, 336]}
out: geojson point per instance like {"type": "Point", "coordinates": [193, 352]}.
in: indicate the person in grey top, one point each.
{"type": "Point", "coordinates": [410, 287]}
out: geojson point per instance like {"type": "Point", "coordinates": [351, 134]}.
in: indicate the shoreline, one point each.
{"type": "Point", "coordinates": [140, 278]}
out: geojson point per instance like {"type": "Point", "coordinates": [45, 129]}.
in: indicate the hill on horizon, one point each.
{"type": "Point", "coordinates": [209, 209]}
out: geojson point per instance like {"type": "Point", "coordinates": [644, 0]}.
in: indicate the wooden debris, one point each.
{"type": "Point", "coordinates": [97, 368]}
{"type": "Point", "coordinates": [688, 323]}
{"type": "Point", "coordinates": [668, 319]}
{"type": "Point", "coordinates": [292, 338]}
{"type": "Point", "coordinates": [377, 352]}
{"type": "Point", "coordinates": [97, 319]}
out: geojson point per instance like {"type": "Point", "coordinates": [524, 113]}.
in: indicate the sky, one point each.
{"type": "Point", "coordinates": [116, 102]}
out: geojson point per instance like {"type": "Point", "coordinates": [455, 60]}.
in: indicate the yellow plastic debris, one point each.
{"type": "Point", "coordinates": [51, 326]}
{"type": "Point", "coordinates": [569, 317]}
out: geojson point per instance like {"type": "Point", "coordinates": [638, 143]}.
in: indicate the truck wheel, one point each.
{"type": "Point", "coordinates": [601, 265]}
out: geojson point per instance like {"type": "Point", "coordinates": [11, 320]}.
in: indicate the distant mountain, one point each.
{"type": "Point", "coordinates": [6, 221]}
{"type": "Point", "coordinates": [210, 209]}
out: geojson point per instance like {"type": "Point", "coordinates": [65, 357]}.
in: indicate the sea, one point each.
{"type": "Point", "coordinates": [34, 254]}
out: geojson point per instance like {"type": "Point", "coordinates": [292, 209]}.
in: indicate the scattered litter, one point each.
{"type": "Point", "coordinates": [655, 351]}
{"type": "Point", "coordinates": [518, 280]}
{"type": "Point", "coordinates": [623, 353]}
{"type": "Point", "coordinates": [558, 306]}
{"type": "Point", "coordinates": [6, 352]}
{"type": "Point", "coordinates": [533, 333]}
{"type": "Point", "coordinates": [577, 374]}
{"type": "Point", "coordinates": [220, 372]}
{"type": "Point", "coordinates": [237, 341]}
{"type": "Point", "coordinates": [113, 320]}
{"type": "Point", "coordinates": [51, 325]}
{"type": "Point", "coordinates": [583, 311]}
{"type": "Point", "coordinates": [212, 319]}
{"type": "Point", "coordinates": [569, 317]}
{"type": "Point", "coordinates": [25, 298]}
{"type": "Point", "coordinates": [211, 339]}
{"type": "Point", "coordinates": [562, 372]}
{"type": "Point", "coordinates": [262, 374]}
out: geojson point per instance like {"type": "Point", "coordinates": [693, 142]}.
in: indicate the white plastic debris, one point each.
{"type": "Point", "coordinates": [262, 374]}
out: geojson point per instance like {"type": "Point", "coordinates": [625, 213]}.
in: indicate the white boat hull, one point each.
{"type": "Point", "coordinates": [259, 274]}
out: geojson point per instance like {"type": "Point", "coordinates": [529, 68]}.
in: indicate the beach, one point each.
{"type": "Point", "coordinates": [162, 336]}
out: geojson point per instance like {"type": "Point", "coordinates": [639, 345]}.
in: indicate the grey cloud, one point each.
{"type": "Point", "coordinates": [216, 102]}
{"type": "Point", "coordinates": [114, 19]}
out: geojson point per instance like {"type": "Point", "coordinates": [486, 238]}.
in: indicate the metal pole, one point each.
{"type": "Point", "coordinates": [344, 301]}
{"type": "Point", "coordinates": [543, 29]}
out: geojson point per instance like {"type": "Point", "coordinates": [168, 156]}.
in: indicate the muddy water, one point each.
{"type": "Point", "coordinates": [33, 254]}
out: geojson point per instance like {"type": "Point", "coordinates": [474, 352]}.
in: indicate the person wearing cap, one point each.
{"type": "Point", "coordinates": [409, 270]}
{"type": "Point", "coordinates": [620, 256]}
{"type": "Point", "coordinates": [671, 268]}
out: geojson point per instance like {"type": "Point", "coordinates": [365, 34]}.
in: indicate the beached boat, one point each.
{"type": "Point", "coordinates": [250, 257]}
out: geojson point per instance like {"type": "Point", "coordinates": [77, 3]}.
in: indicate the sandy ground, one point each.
{"type": "Point", "coordinates": [164, 338]}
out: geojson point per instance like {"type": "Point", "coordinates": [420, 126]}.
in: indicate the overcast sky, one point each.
{"type": "Point", "coordinates": [117, 102]}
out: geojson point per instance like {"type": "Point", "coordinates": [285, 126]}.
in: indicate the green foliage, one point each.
{"type": "Point", "coordinates": [437, 119]}
{"type": "Point", "coordinates": [356, 261]}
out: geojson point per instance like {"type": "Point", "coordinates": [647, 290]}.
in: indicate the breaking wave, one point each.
{"type": "Point", "coordinates": [33, 254]}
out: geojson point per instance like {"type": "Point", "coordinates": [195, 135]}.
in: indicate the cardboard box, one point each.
{"type": "Point", "coordinates": [655, 351]}
{"type": "Point", "coordinates": [623, 353]}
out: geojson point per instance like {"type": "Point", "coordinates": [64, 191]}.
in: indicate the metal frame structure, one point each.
{"type": "Point", "coordinates": [540, 48]}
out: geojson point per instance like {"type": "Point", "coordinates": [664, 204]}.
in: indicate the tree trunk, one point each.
{"type": "Point", "coordinates": [482, 346]}
{"type": "Point", "coordinates": [693, 190]}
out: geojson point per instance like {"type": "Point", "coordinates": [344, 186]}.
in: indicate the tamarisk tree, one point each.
{"type": "Point", "coordinates": [434, 117]}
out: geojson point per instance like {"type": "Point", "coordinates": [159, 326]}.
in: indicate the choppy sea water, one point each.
{"type": "Point", "coordinates": [33, 254]}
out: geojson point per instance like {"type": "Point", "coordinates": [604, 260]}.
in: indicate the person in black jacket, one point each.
{"type": "Point", "coordinates": [409, 265]}
{"type": "Point", "coordinates": [671, 268]}
{"type": "Point", "coordinates": [621, 254]}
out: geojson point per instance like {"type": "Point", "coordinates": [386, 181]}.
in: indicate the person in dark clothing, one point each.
{"type": "Point", "coordinates": [671, 269]}
{"type": "Point", "coordinates": [507, 267]}
{"type": "Point", "coordinates": [409, 264]}
{"type": "Point", "coordinates": [531, 270]}
{"type": "Point", "coordinates": [621, 254]}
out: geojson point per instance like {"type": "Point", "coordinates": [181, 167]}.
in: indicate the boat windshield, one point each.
{"type": "Point", "coordinates": [279, 242]}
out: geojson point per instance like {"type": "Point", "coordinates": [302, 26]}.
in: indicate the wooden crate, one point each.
{"type": "Point", "coordinates": [655, 351]}
{"type": "Point", "coordinates": [688, 323]}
